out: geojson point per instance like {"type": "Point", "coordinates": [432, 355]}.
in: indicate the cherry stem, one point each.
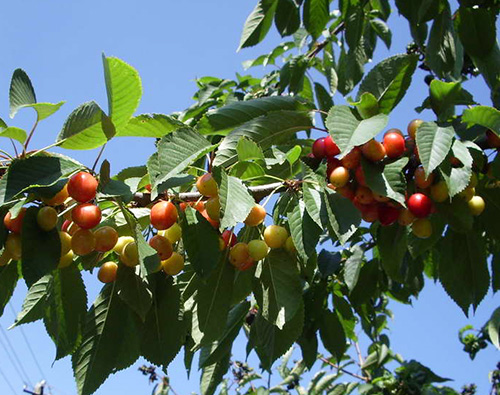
{"type": "Point", "coordinates": [30, 136]}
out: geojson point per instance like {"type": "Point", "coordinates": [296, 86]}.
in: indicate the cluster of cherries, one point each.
{"type": "Point", "coordinates": [346, 177]}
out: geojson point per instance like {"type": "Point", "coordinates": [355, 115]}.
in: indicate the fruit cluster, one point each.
{"type": "Point", "coordinates": [346, 177]}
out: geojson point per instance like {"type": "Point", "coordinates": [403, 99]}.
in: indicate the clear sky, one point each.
{"type": "Point", "coordinates": [59, 44]}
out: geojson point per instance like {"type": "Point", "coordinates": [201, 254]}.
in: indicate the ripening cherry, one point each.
{"type": "Point", "coordinates": [212, 222]}
{"type": "Point", "coordinates": [369, 212]}
{"type": "Point", "coordinates": [212, 206]}
{"type": "Point", "coordinates": [275, 236]}
{"type": "Point", "coordinates": [439, 192]}
{"type": "Point", "coordinates": [130, 254]}
{"type": "Point", "coordinates": [387, 215]}
{"type": "Point", "coordinates": [473, 181]}
{"type": "Point", "coordinates": [5, 258]}
{"type": "Point", "coordinates": [248, 264]}
{"type": "Point", "coordinates": [162, 246]}
{"type": "Point", "coordinates": [239, 254]}
{"type": "Point", "coordinates": [198, 206]}
{"type": "Point", "coordinates": [394, 144]}
{"type": "Point", "coordinates": [420, 180]}
{"type": "Point", "coordinates": [373, 150]}
{"type": "Point", "coordinates": [65, 239]}
{"type": "Point", "coordinates": [468, 193]}
{"type": "Point", "coordinates": [14, 224]}
{"type": "Point", "coordinates": [364, 195]}
{"type": "Point", "coordinates": [493, 139]}
{"type": "Point", "coordinates": [66, 260]}
{"type": "Point", "coordinates": [13, 246]}
{"type": "Point", "coordinates": [256, 216]}
{"type": "Point", "coordinates": [318, 148]}
{"type": "Point", "coordinates": [163, 215]}
{"type": "Point", "coordinates": [229, 238]}
{"type": "Point", "coordinates": [413, 126]}
{"type": "Point", "coordinates": [422, 228]}
{"type": "Point", "coordinates": [346, 191]}
{"type": "Point", "coordinates": [359, 174]}
{"type": "Point", "coordinates": [58, 199]}
{"type": "Point", "coordinates": [173, 265]}
{"type": "Point", "coordinates": [83, 242]}
{"type": "Point", "coordinates": [106, 238]}
{"type": "Point", "coordinates": [206, 185]}
{"type": "Point", "coordinates": [353, 159]}
{"type": "Point", "coordinates": [405, 217]}
{"type": "Point", "coordinates": [107, 272]}
{"type": "Point", "coordinates": [121, 243]}
{"type": "Point", "coordinates": [420, 205]}
{"type": "Point", "coordinates": [258, 249]}
{"type": "Point", "coordinates": [86, 215]}
{"type": "Point", "coordinates": [46, 218]}
{"type": "Point", "coordinates": [331, 164]}
{"type": "Point", "coordinates": [290, 245]}
{"type": "Point", "coordinates": [70, 227]}
{"type": "Point", "coordinates": [380, 198]}
{"type": "Point", "coordinates": [331, 149]}
{"type": "Point", "coordinates": [82, 187]}
{"type": "Point", "coordinates": [476, 205]}
{"type": "Point", "coordinates": [173, 234]}
{"type": "Point", "coordinates": [339, 177]}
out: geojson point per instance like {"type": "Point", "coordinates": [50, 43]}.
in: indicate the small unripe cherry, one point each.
{"type": "Point", "coordinates": [468, 193]}
{"type": "Point", "coordinates": [65, 239]}
{"type": "Point", "coordinates": [352, 159]}
{"type": "Point", "coordinates": [331, 149]}
{"type": "Point", "coordinates": [130, 254]}
{"type": "Point", "coordinates": [46, 218]}
{"type": "Point", "coordinates": [275, 236]}
{"type": "Point", "coordinates": [173, 265]}
{"type": "Point", "coordinates": [121, 243]}
{"type": "Point", "coordinates": [13, 246]}
{"type": "Point", "coordinates": [258, 249]}
{"type": "Point", "coordinates": [173, 234]}
{"type": "Point", "coordinates": [58, 199]}
{"type": "Point", "coordinates": [107, 272]}
{"type": "Point", "coordinates": [106, 238]}
{"type": "Point", "coordinates": [162, 246]}
{"type": "Point", "coordinates": [394, 144]}
{"type": "Point", "coordinates": [420, 205]}
{"type": "Point", "coordinates": [66, 260]}
{"type": "Point", "coordinates": [83, 242]}
{"type": "Point", "coordinates": [420, 180]}
{"type": "Point", "coordinates": [406, 217]}
{"type": "Point", "coordinates": [339, 177]}
{"type": "Point", "coordinates": [373, 150]}
{"type": "Point", "coordinates": [318, 148]}
{"type": "Point", "coordinates": [256, 216]}
{"type": "Point", "coordinates": [476, 205]}
{"type": "Point", "coordinates": [290, 245]}
{"type": "Point", "coordinates": [422, 228]}
{"type": "Point", "coordinates": [364, 195]}
{"type": "Point", "coordinates": [206, 185]}
{"type": "Point", "coordinates": [239, 254]}
{"type": "Point", "coordinates": [413, 126]}
{"type": "Point", "coordinates": [212, 206]}
{"type": "Point", "coordinates": [439, 192]}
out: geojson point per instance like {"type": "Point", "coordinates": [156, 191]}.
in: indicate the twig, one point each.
{"type": "Point", "coordinates": [320, 46]}
{"type": "Point", "coordinates": [29, 137]}
{"type": "Point", "coordinates": [360, 356]}
{"type": "Point", "coordinates": [13, 145]}
{"type": "Point", "coordinates": [343, 370]}
{"type": "Point", "coordinates": [98, 157]}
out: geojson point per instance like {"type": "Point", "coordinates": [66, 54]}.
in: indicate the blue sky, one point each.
{"type": "Point", "coordinates": [59, 44]}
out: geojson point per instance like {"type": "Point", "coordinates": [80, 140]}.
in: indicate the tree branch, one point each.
{"type": "Point", "coordinates": [343, 370]}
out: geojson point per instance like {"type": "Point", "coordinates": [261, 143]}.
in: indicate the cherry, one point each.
{"type": "Point", "coordinates": [373, 150]}
{"type": "Point", "coordinates": [14, 224]}
{"type": "Point", "coordinates": [331, 149]}
{"type": "Point", "coordinates": [256, 216]}
{"type": "Point", "coordinates": [420, 205]}
{"type": "Point", "coordinates": [82, 187]}
{"type": "Point", "coordinates": [206, 185]}
{"type": "Point", "coordinates": [420, 180]}
{"type": "Point", "coordinates": [394, 144]}
{"type": "Point", "coordinates": [173, 265]}
{"type": "Point", "coordinates": [318, 148]}
{"type": "Point", "coordinates": [229, 238]}
{"type": "Point", "coordinates": [106, 238]}
{"type": "Point", "coordinates": [86, 215]}
{"type": "Point", "coordinates": [163, 215]}
{"type": "Point", "coordinates": [46, 218]}
{"type": "Point", "coordinates": [387, 215]}
{"type": "Point", "coordinates": [413, 126]}
{"type": "Point", "coordinates": [339, 177]}
{"type": "Point", "coordinates": [107, 272]}
{"type": "Point", "coordinates": [352, 159]}
{"type": "Point", "coordinates": [275, 236]}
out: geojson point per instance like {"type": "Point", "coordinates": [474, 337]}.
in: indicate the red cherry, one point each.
{"type": "Point", "coordinates": [318, 148]}
{"type": "Point", "coordinates": [394, 144]}
{"type": "Point", "coordinates": [86, 215]}
{"type": "Point", "coordinates": [360, 176]}
{"type": "Point", "coordinates": [82, 187]}
{"type": "Point", "coordinates": [229, 238]}
{"type": "Point", "coordinates": [163, 215]}
{"type": "Point", "coordinates": [387, 215]}
{"type": "Point", "coordinates": [420, 205]}
{"type": "Point", "coordinates": [331, 149]}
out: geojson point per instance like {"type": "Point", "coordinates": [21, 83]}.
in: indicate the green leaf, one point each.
{"type": "Point", "coordinates": [316, 14]}
{"type": "Point", "coordinates": [418, 247]}
{"type": "Point", "coordinates": [165, 328]}
{"type": "Point", "coordinates": [14, 133]}
{"type": "Point", "coordinates": [329, 262]}
{"type": "Point", "coordinates": [235, 201]}
{"type": "Point", "coordinates": [194, 229]}
{"type": "Point", "coordinates": [278, 290]}
{"type": "Point", "coordinates": [388, 180]}
{"type": "Point", "coordinates": [249, 150]}
{"type": "Point", "coordinates": [211, 354]}
{"type": "Point", "coordinates": [389, 80]}
{"type": "Point", "coordinates": [324, 99]}
{"type": "Point", "coordinates": [176, 151]}
{"type": "Point", "coordinates": [35, 302]}
{"type": "Point", "coordinates": [457, 215]}
{"type": "Point", "coordinates": [149, 125]}
{"type": "Point", "coordinates": [212, 375]}
{"type": "Point", "coordinates": [266, 131]}
{"type": "Point", "coordinates": [34, 171]}
{"type": "Point", "coordinates": [339, 216]}
{"type": "Point", "coordinates": [134, 290]}
{"type": "Point", "coordinates": [383, 31]}
{"type": "Point", "coordinates": [124, 89]}
{"type": "Point", "coordinates": [270, 342]}
{"type": "Point", "coordinates": [110, 341]}
{"type": "Point", "coordinates": [352, 267]}
{"type": "Point", "coordinates": [213, 299]}
{"type": "Point", "coordinates": [392, 245]}
{"type": "Point", "coordinates": [350, 69]}
{"type": "Point", "coordinates": [463, 270]}
{"type": "Point", "coordinates": [476, 29]}
{"type": "Point", "coordinates": [493, 327]}
{"type": "Point", "coordinates": [444, 96]}
{"type": "Point", "coordinates": [66, 310]}
{"type": "Point", "coordinates": [489, 217]}
{"type": "Point", "coordinates": [247, 171]}
{"type": "Point", "coordinates": [488, 117]}
{"type": "Point", "coordinates": [348, 132]}
{"type": "Point", "coordinates": [87, 127]}
{"type": "Point", "coordinates": [258, 23]}
{"type": "Point", "coordinates": [332, 334]}
{"type": "Point", "coordinates": [304, 231]}
{"type": "Point", "coordinates": [367, 105]}
{"type": "Point", "coordinates": [8, 281]}
{"type": "Point", "coordinates": [41, 250]}
{"type": "Point", "coordinates": [287, 17]}
{"type": "Point", "coordinates": [433, 143]}
{"type": "Point", "coordinates": [458, 178]}
{"type": "Point", "coordinates": [21, 92]}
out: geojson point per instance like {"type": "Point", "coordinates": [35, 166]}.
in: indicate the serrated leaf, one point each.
{"type": "Point", "coordinates": [248, 150]}
{"type": "Point", "coordinates": [212, 375]}
{"type": "Point", "coordinates": [392, 245]}
{"type": "Point", "coordinates": [418, 247]}
{"type": "Point", "coordinates": [34, 171]}
{"type": "Point", "coordinates": [266, 130]}
{"type": "Point", "coordinates": [66, 310]}
{"type": "Point", "coordinates": [433, 143]}
{"type": "Point", "coordinates": [247, 171]}
{"type": "Point", "coordinates": [458, 178]}
{"type": "Point", "coordinates": [213, 299]}
{"type": "Point", "coordinates": [348, 132]}
{"type": "Point", "coordinates": [278, 290]}
{"type": "Point", "coordinates": [87, 127]}
{"type": "Point", "coordinates": [339, 216]}
{"type": "Point", "coordinates": [258, 23]}
{"type": "Point", "coordinates": [14, 133]}
{"type": "Point", "coordinates": [270, 342]}
{"type": "Point", "coordinates": [21, 92]}
{"type": "Point", "coordinates": [287, 17]}
{"type": "Point", "coordinates": [389, 80]}
{"type": "Point", "coordinates": [35, 302]}
{"type": "Point", "coordinates": [315, 16]}
{"type": "Point", "coordinates": [235, 201]}
{"type": "Point", "coordinates": [149, 125]}
{"type": "Point", "coordinates": [387, 180]}
{"type": "Point", "coordinates": [350, 69]}
{"type": "Point", "coordinates": [329, 262]}
{"type": "Point", "coordinates": [176, 151]}
{"type": "Point", "coordinates": [134, 290]}
{"type": "Point", "coordinates": [493, 326]}
{"type": "Point", "coordinates": [332, 334]}
{"type": "Point", "coordinates": [457, 215]}
{"type": "Point", "coordinates": [463, 270]}
{"type": "Point", "coordinates": [110, 342]}
{"type": "Point", "coordinates": [124, 89]}
{"type": "Point", "coordinates": [194, 229]}
{"type": "Point", "coordinates": [352, 267]}
{"type": "Point", "coordinates": [304, 231]}
{"type": "Point", "coordinates": [488, 117]}
{"type": "Point", "coordinates": [165, 328]}
{"type": "Point", "coordinates": [477, 30]}
{"type": "Point", "coordinates": [383, 31]}
{"type": "Point", "coordinates": [444, 96]}
{"type": "Point", "coordinates": [41, 250]}
{"type": "Point", "coordinates": [8, 281]}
